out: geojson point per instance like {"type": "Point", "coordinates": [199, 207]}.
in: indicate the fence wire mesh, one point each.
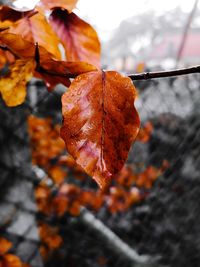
{"type": "Point", "coordinates": [165, 224]}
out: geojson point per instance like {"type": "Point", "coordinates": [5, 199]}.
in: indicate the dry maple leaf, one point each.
{"type": "Point", "coordinates": [13, 85]}
{"type": "Point", "coordinates": [66, 4]}
{"type": "Point", "coordinates": [100, 122]}
{"type": "Point", "coordinates": [37, 29]}
{"type": "Point", "coordinates": [79, 39]}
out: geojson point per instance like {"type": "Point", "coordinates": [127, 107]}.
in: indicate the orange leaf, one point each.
{"type": "Point", "coordinates": [5, 245]}
{"type": "Point", "coordinates": [79, 39]}
{"type": "Point", "coordinates": [13, 85]}
{"type": "Point", "coordinates": [49, 236]}
{"type": "Point", "coordinates": [52, 71]}
{"type": "Point", "coordinates": [100, 122]}
{"type": "Point", "coordinates": [43, 198]}
{"type": "Point", "coordinates": [126, 177]}
{"type": "Point", "coordinates": [75, 208]}
{"type": "Point", "coordinates": [66, 4]}
{"type": "Point", "coordinates": [57, 174]}
{"type": "Point", "coordinates": [37, 29]}
{"type": "Point", "coordinates": [20, 47]}
{"type": "Point", "coordinates": [92, 199]}
{"type": "Point", "coordinates": [5, 57]}
{"type": "Point", "coordinates": [145, 133]}
{"type": "Point", "coordinates": [60, 205]}
{"type": "Point", "coordinates": [150, 174]}
{"type": "Point", "coordinates": [46, 143]}
{"type": "Point", "coordinates": [10, 260]}
{"type": "Point", "coordinates": [118, 200]}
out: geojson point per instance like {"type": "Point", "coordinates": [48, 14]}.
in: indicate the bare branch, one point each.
{"type": "Point", "coordinates": [109, 237]}
{"type": "Point", "coordinates": [116, 244]}
{"type": "Point", "coordinates": [164, 74]}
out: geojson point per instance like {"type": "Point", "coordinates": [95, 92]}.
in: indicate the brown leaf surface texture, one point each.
{"type": "Point", "coordinates": [67, 68]}
{"type": "Point", "coordinates": [13, 85]}
{"type": "Point", "coordinates": [22, 48]}
{"type": "Point", "coordinates": [37, 29]}
{"type": "Point", "coordinates": [54, 72]}
{"type": "Point", "coordinates": [79, 39]}
{"type": "Point", "coordinates": [9, 15]}
{"type": "Point", "coordinates": [100, 122]}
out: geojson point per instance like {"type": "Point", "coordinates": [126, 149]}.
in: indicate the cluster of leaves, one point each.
{"type": "Point", "coordinates": [59, 197]}
{"type": "Point", "coordinates": [20, 31]}
{"type": "Point", "coordinates": [100, 121]}
{"type": "Point", "coordinates": [50, 238]}
{"type": "Point", "coordinates": [47, 152]}
{"type": "Point", "coordinates": [8, 259]}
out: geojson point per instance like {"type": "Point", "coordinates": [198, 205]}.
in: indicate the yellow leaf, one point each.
{"type": "Point", "coordinates": [13, 85]}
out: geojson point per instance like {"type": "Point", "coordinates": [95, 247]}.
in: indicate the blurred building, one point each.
{"type": "Point", "coordinates": [166, 49]}
{"type": "Point", "coordinates": [152, 41]}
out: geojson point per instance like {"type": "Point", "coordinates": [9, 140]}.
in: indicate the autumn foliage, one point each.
{"type": "Point", "coordinates": [100, 120]}
{"type": "Point", "coordinates": [48, 152]}
{"type": "Point", "coordinates": [8, 259]}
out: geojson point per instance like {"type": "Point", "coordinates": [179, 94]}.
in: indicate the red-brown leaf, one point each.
{"type": "Point", "coordinates": [9, 15]}
{"type": "Point", "coordinates": [100, 122]}
{"type": "Point", "coordinates": [66, 4]}
{"type": "Point", "coordinates": [79, 39]}
{"type": "Point", "coordinates": [54, 72]}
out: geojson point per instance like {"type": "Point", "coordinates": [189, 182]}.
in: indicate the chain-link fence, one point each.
{"type": "Point", "coordinates": [164, 225]}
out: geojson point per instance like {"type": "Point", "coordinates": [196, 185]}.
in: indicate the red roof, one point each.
{"type": "Point", "coordinates": [170, 44]}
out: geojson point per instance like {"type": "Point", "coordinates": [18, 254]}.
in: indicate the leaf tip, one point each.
{"type": "Point", "coordinates": [103, 181]}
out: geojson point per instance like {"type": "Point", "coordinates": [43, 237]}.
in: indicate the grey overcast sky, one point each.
{"type": "Point", "coordinates": [106, 15]}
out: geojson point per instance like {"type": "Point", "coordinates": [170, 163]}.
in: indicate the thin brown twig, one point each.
{"type": "Point", "coordinates": [137, 76]}
{"type": "Point", "coordinates": [133, 77]}
{"type": "Point", "coordinates": [164, 74]}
